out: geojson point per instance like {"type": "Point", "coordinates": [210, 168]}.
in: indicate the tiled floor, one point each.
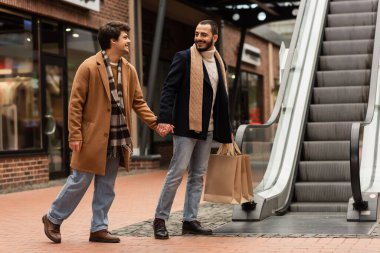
{"type": "Point", "coordinates": [21, 230]}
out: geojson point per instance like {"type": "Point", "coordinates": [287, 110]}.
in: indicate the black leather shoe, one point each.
{"type": "Point", "coordinates": [194, 227]}
{"type": "Point", "coordinates": [159, 228]}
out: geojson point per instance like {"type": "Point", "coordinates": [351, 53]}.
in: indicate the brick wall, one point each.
{"type": "Point", "coordinates": [231, 46]}
{"type": "Point", "coordinates": [22, 171]}
{"type": "Point", "coordinates": [109, 10]}
{"type": "Point", "coordinates": [18, 172]}
{"type": "Point", "coordinates": [145, 165]}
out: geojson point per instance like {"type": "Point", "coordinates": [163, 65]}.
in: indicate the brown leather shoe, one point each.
{"type": "Point", "coordinates": [103, 236]}
{"type": "Point", "coordinates": [52, 231]}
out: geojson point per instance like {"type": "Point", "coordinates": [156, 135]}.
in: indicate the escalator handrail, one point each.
{"type": "Point", "coordinates": [281, 93]}
{"type": "Point", "coordinates": [359, 203]}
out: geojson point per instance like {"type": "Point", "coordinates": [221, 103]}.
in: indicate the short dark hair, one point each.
{"type": "Point", "coordinates": [212, 23]}
{"type": "Point", "coordinates": [110, 31]}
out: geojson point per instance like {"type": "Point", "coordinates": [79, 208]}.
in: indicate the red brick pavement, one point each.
{"type": "Point", "coordinates": [21, 229]}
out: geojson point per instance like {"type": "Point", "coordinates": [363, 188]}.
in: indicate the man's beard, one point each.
{"type": "Point", "coordinates": [208, 46]}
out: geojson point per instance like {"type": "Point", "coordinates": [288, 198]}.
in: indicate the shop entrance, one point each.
{"type": "Point", "coordinates": [53, 76]}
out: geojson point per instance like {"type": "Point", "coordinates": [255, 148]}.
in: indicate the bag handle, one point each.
{"type": "Point", "coordinates": [230, 149]}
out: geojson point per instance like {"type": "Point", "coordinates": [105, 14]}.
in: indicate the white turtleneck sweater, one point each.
{"type": "Point", "coordinates": [210, 64]}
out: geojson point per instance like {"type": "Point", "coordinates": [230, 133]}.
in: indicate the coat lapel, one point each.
{"type": "Point", "coordinates": [103, 74]}
{"type": "Point", "coordinates": [206, 78]}
{"type": "Point", "coordinates": [125, 77]}
{"type": "Point", "coordinates": [125, 72]}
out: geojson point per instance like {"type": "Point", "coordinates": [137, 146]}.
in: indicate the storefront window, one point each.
{"type": "Point", "coordinates": [81, 44]}
{"type": "Point", "coordinates": [250, 103]}
{"type": "Point", "coordinates": [20, 125]}
{"type": "Point", "coordinates": [51, 38]}
{"type": "Point", "coordinates": [255, 98]}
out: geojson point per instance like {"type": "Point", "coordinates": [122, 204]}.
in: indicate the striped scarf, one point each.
{"type": "Point", "coordinates": [119, 137]}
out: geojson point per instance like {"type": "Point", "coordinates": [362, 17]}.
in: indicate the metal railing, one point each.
{"type": "Point", "coordinates": [357, 128]}
{"type": "Point", "coordinates": [260, 141]}
{"type": "Point", "coordinates": [281, 93]}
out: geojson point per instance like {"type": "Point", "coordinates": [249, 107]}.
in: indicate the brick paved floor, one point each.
{"type": "Point", "coordinates": [21, 229]}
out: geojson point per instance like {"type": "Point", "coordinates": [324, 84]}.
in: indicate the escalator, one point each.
{"type": "Point", "coordinates": [339, 97]}
{"type": "Point", "coordinates": [306, 158]}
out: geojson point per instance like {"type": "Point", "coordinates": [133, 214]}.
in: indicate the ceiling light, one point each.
{"type": "Point", "coordinates": [261, 16]}
{"type": "Point", "coordinates": [68, 29]}
{"type": "Point", "coordinates": [236, 17]}
{"type": "Point", "coordinates": [75, 35]}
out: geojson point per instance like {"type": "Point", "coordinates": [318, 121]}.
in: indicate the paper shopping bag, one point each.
{"type": "Point", "coordinates": [229, 176]}
{"type": "Point", "coordinates": [223, 179]}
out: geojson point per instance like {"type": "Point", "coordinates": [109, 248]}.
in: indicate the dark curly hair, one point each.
{"type": "Point", "coordinates": [110, 31]}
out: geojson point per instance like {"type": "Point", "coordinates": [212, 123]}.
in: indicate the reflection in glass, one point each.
{"type": "Point", "coordinates": [258, 143]}
{"type": "Point", "coordinates": [81, 44]}
{"type": "Point", "coordinates": [249, 109]}
{"type": "Point", "coordinates": [54, 115]}
{"type": "Point", "coordinates": [51, 38]}
{"type": "Point", "coordinates": [20, 126]}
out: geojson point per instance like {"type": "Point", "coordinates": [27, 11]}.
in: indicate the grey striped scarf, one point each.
{"type": "Point", "coordinates": [119, 137]}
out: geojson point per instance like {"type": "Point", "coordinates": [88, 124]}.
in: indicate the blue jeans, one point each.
{"type": "Point", "coordinates": [75, 188]}
{"type": "Point", "coordinates": [192, 154]}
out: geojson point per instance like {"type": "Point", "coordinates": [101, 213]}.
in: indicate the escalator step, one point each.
{"type": "Point", "coordinates": [319, 207]}
{"type": "Point", "coordinates": [349, 33]}
{"type": "Point", "coordinates": [351, 19]}
{"type": "Point", "coordinates": [343, 78]}
{"type": "Point", "coordinates": [347, 47]}
{"type": "Point", "coordinates": [337, 112]}
{"type": "Point", "coordinates": [339, 98]}
{"type": "Point", "coordinates": [345, 62]}
{"type": "Point", "coordinates": [348, 7]}
{"type": "Point", "coordinates": [326, 171]}
{"type": "Point", "coordinates": [326, 151]}
{"type": "Point", "coordinates": [322, 191]}
{"type": "Point", "coordinates": [331, 95]}
{"type": "Point", "coordinates": [328, 131]}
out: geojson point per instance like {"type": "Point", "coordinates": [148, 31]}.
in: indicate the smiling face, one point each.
{"type": "Point", "coordinates": [203, 37]}
{"type": "Point", "coordinates": [121, 45]}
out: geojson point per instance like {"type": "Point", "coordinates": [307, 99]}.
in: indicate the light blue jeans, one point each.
{"type": "Point", "coordinates": [192, 154]}
{"type": "Point", "coordinates": [75, 188]}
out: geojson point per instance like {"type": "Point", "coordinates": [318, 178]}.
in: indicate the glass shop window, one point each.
{"type": "Point", "coordinates": [20, 124]}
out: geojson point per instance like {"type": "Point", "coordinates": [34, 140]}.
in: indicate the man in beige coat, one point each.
{"type": "Point", "coordinates": [105, 90]}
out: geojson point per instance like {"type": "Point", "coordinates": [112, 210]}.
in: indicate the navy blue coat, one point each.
{"type": "Point", "coordinates": [175, 96]}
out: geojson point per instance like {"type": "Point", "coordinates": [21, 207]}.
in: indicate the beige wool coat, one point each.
{"type": "Point", "coordinates": [90, 112]}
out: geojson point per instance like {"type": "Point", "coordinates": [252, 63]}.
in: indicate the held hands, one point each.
{"type": "Point", "coordinates": [75, 146]}
{"type": "Point", "coordinates": [163, 129]}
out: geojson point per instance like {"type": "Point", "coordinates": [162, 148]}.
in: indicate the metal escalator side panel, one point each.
{"type": "Point", "coordinates": [273, 190]}
{"type": "Point", "coordinates": [369, 146]}
{"type": "Point", "coordinates": [370, 160]}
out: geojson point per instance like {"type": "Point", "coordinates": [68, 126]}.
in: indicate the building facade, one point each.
{"type": "Point", "coordinates": [43, 42]}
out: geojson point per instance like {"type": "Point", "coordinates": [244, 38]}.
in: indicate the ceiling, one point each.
{"type": "Point", "coordinates": [247, 13]}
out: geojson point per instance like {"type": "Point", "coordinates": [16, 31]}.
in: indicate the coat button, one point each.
{"type": "Point", "coordinates": [105, 135]}
{"type": "Point", "coordinates": [108, 109]}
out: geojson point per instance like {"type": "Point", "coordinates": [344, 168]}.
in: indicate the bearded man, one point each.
{"type": "Point", "coordinates": [194, 107]}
